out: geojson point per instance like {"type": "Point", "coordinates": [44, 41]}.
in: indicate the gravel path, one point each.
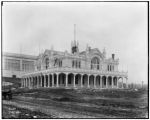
{"type": "Point", "coordinates": [49, 110]}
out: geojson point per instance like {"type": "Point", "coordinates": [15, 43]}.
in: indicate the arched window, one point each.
{"type": "Point", "coordinates": [95, 63]}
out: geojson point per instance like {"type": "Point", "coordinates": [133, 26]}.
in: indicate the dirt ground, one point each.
{"type": "Point", "coordinates": [69, 103]}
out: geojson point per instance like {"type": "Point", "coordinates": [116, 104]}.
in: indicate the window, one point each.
{"type": "Point", "coordinates": [113, 68]}
{"type": "Point", "coordinates": [27, 65]}
{"type": "Point", "coordinates": [46, 63]}
{"type": "Point", "coordinates": [98, 67]}
{"type": "Point", "coordinates": [76, 64]}
{"type": "Point", "coordinates": [95, 63]}
{"type": "Point", "coordinates": [58, 62]}
{"type": "Point", "coordinates": [79, 64]}
{"type": "Point", "coordinates": [12, 64]}
{"type": "Point", "coordinates": [73, 63]}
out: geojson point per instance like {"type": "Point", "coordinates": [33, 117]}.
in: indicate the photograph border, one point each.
{"type": "Point", "coordinates": [2, 3]}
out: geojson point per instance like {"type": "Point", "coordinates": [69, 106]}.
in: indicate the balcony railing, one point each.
{"type": "Point", "coordinates": [77, 70]}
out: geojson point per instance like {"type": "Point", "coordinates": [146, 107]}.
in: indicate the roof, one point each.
{"type": "Point", "coordinates": [19, 55]}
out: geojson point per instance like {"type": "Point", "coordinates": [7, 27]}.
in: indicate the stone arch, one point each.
{"type": "Point", "coordinates": [120, 82]}
{"type": "Point", "coordinates": [103, 81]}
{"type": "Point", "coordinates": [62, 77]}
{"type": "Point", "coordinates": [46, 80]}
{"type": "Point", "coordinates": [38, 83]}
{"type": "Point", "coordinates": [55, 79]}
{"type": "Point", "coordinates": [115, 81]}
{"type": "Point", "coordinates": [34, 82]}
{"type": "Point", "coordinates": [78, 79]}
{"type": "Point", "coordinates": [98, 78]}
{"type": "Point", "coordinates": [109, 82]}
{"type": "Point", "coordinates": [50, 77]}
{"type": "Point", "coordinates": [85, 80]}
{"type": "Point", "coordinates": [70, 79]}
{"type": "Point", "coordinates": [91, 80]}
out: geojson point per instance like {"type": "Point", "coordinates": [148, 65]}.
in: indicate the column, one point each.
{"type": "Point", "coordinates": [88, 81]}
{"type": "Point", "coordinates": [122, 82]}
{"type": "Point", "coordinates": [48, 80]}
{"type": "Point", "coordinates": [94, 81]}
{"type": "Point", "coordinates": [106, 81]}
{"type": "Point", "coordinates": [66, 80]}
{"type": "Point", "coordinates": [44, 80]}
{"type": "Point", "coordinates": [29, 82]}
{"type": "Point", "coordinates": [57, 85]}
{"type": "Point", "coordinates": [20, 65]}
{"type": "Point", "coordinates": [81, 80]}
{"type": "Point", "coordinates": [101, 82]}
{"type": "Point", "coordinates": [74, 85]}
{"type": "Point", "coordinates": [52, 80]}
{"type": "Point", "coordinates": [112, 82]}
{"type": "Point", "coordinates": [41, 80]}
{"type": "Point", "coordinates": [25, 82]}
{"type": "Point", "coordinates": [21, 82]}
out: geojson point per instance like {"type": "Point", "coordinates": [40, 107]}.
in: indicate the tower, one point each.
{"type": "Point", "coordinates": [74, 44]}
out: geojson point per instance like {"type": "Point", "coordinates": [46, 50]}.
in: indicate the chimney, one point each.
{"type": "Point", "coordinates": [113, 56]}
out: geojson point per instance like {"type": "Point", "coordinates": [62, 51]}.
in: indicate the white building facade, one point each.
{"type": "Point", "coordinates": [87, 69]}
{"type": "Point", "coordinates": [14, 65]}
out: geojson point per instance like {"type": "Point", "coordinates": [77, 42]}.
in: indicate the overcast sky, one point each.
{"type": "Point", "coordinates": [120, 27]}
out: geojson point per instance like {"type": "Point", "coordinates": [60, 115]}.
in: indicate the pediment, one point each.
{"type": "Point", "coordinates": [96, 52]}
{"type": "Point", "coordinates": [47, 52]}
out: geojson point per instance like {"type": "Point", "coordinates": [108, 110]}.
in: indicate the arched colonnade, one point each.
{"type": "Point", "coordinates": [72, 80]}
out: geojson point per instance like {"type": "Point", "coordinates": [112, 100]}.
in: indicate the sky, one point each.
{"type": "Point", "coordinates": [119, 27]}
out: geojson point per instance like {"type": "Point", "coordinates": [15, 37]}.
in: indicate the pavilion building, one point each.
{"type": "Point", "coordinates": [86, 69]}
